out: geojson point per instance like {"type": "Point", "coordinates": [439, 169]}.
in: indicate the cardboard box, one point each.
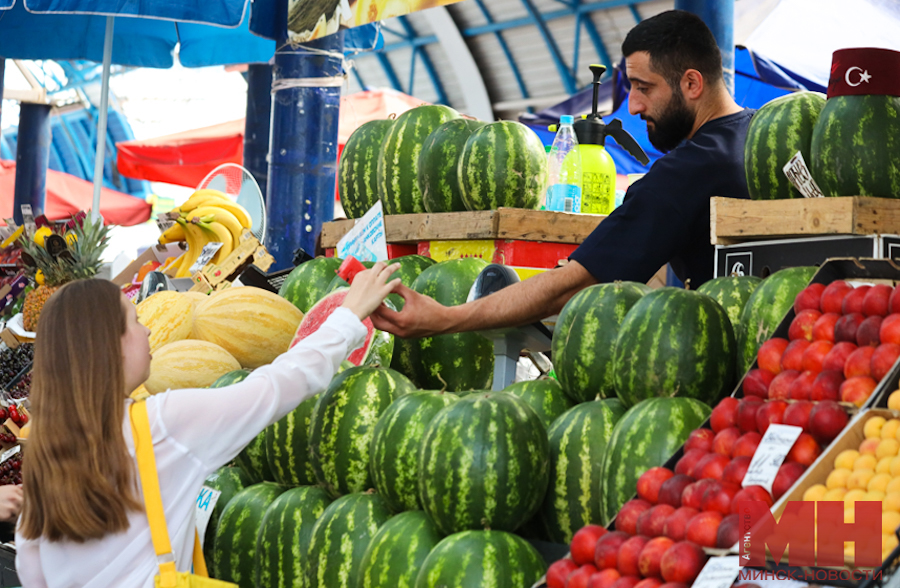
{"type": "Point", "coordinates": [158, 253]}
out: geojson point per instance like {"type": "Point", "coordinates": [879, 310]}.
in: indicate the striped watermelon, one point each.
{"type": "Point", "coordinates": [779, 129]}
{"type": "Point", "coordinates": [645, 437]}
{"type": "Point", "coordinates": [343, 422]}
{"type": "Point", "coordinates": [438, 163]}
{"type": "Point", "coordinates": [480, 559]}
{"type": "Point", "coordinates": [766, 308]}
{"type": "Point", "coordinates": [230, 378]}
{"type": "Point", "coordinates": [410, 268]}
{"type": "Point", "coordinates": [280, 558]}
{"type": "Point", "coordinates": [404, 357]}
{"type": "Point", "coordinates": [503, 164]}
{"type": "Point", "coordinates": [674, 342]}
{"type": "Point", "coordinates": [308, 282]}
{"type": "Point", "coordinates": [395, 446]}
{"type": "Point", "coordinates": [483, 463]}
{"type": "Point", "coordinates": [358, 167]}
{"type": "Point", "coordinates": [340, 539]}
{"type": "Point", "coordinates": [398, 162]}
{"type": "Point", "coordinates": [236, 533]}
{"type": "Point", "coordinates": [287, 446]}
{"type": "Point", "coordinates": [585, 338]}
{"type": "Point", "coordinates": [462, 361]}
{"type": "Point", "coordinates": [545, 397]}
{"type": "Point", "coordinates": [578, 441]}
{"type": "Point", "coordinates": [252, 459]}
{"type": "Point", "coordinates": [855, 147]}
{"type": "Point", "coordinates": [397, 552]}
{"type": "Point", "coordinates": [229, 481]}
{"type": "Point", "coordinates": [732, 294]}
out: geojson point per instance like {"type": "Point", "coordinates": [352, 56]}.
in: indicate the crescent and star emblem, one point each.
{"type": "Point", "coordinates": [864, 76]}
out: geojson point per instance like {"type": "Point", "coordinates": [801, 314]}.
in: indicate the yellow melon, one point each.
{"type": "Point", "coordinates": [252, 324]}
{"type": "Point", "coordinates": [188, 364]}
{"type": "Point", "coordinates": [196, 297]}
{"type": "Point", "coordinates": [168, 315]}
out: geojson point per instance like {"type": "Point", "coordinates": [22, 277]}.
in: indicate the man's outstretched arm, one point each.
{"type": "Point", "coordinates": [528, 301]}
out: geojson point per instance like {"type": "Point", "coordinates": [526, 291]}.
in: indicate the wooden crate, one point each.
{"type": "Point", "coordinates": [733, 220]}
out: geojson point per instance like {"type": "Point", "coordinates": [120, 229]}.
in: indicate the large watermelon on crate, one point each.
{"type": "Point", "coordinates": [308, 282]}
{"type": "Point", "coordinates": [482, 558]}
{"type": "Point", "coordinates": [343, 422]}
{"type": "Point", "coordinates": [340, 539]}
{"type": "Point", "coordinates": [483, 463]}
{"type": "Point", "coordinates": [228, 481]}
{"type": "Point", "coordinates": [645, 437]}
{"type": "Point", "coordinates": [584, 339]}
{"type": "Point", "coordinates": [544, 396]}
{"type": "Point", "coordinates": [503, 164]}
{"type": "Point", "coordinates": [395, 446]}
{"type": "Point", "coordinates": [284, 534]}
{"type": "Point", "coordinates": [462, 361]}
{"type": "Point", "coordinates": [439, 162]}
{"type": "Point", "coordinates": [237, 530]}
{"type": "Point", "coordinates": [398, 162]}
{"type": "Point", "coordinates": [732, 294]}
{"type": "Point", "coordinates": [578, 441]}
{"type": "Point", "coordinates": [766, 308]}
{"type": "Point", "coordinates": [779, 129]}
{"type": "Point", "coordinates": [674, 342]}
{"type": "Point", "coordinates": [358, 167]}
{"type": "Point", "coordinates": [397, 551]}
{"type": "Point", "coordinates": [287, 446]}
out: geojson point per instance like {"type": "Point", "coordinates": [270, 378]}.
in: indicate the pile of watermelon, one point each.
{"type": "Point", "coordinates": [430, 159]}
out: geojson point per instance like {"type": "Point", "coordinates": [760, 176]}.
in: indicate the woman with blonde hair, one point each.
{"type": "Point", "coordinates": [83, 522]}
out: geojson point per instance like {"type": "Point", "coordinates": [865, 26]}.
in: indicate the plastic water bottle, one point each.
{"type": "Point", "coordinates": [564, 190]}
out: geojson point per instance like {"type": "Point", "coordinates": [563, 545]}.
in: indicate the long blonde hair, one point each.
{"type": "Point", "coordinates": [78, 478]}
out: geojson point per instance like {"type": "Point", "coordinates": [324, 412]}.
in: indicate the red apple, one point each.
{"type": "Point", "coordinates": [602, 579]}
{"type": "Point", "coordinates": [771, 412]}
{"type": "Point", "coordinates": [787, 474]}
{"type": "Point", "coordinates": [606, 553]}
{"type": "Point", "coordinates": [693, 494]}
{"type": "Point", "coordinates": [894, 301]}
{"type": "Point", "coordinates": [809, 297]}
{"type": "Point", "coordinates": [805, 450]}
{"type": "Point", "coordinates": [823, 329]}
{"type": "Point", "coordinates": [815, 355]}
{"type": "Point", "coordinates": [801, 388]}
{"type": "Point", "coordinates": [857, 389]}
{"type": "Point", "coordinates": [584, 543]}
{"type": "Point", "coordinates": [653, 582]}
{"type": "Point", "coordinates": [827, 386]}
{"type": "Point", "coordinates": [847, 326]}
{"type": "Point", "coordinates": [651, 556]}
{"type": "Point", "coordinates": [724, 440]}
{"type": "Point", "coordinates": [869, 332]}
{"type": "Point", "coordinates": [833, 296]}
{"type": "Point", "coordinates": [802, 325]}
{"type": "Point", "coordinates": [579, 578]}
{"type": "Point", "coordinates": [890, 329]}
{"type": "Point", "coordinates": [710, 466]}
{"type": "Point", "coordinates": [859, 363]}
{"type": "Point", "coordinates": [718, 497]}
{"type": "Point", "coordinates": [729, 531]}
{"type": "Point", "coordinates": [746, 412]}
{"type": "Point", "coordinates": [724, 415]}
{"type": "Point", "coordinates": [676, 524]}
{"type": "Point", "coordinates": [853, 302]}
{"type": "Point", "coordinates": [559, 571]}
{"type": "Point", "coordinates": [877, 300]}
{"type": "Point", "coordinates": [686, 464]}
{"type": "Point", "coordinates": [757, 493]}
{"type": "Point", "coordinates": [769, 354]}
{"type": "Point", "coordinates": [756, 382]}
{"type": "Point", "coordinates": [652, 521]}
{"type": "Point", "coordinates": [700, 439]}
{"type": "Point", "coordinates": [883, 360]}
{"type": "Point", "coordinates": [672, 489]}
{"type": "Point", "coordinates": [650, 481]}
{"type": "Point", "coordinates": [627, 562]}
{"type": "Point", "coordinates": [628, 515]}
{"type": "Point", "coordinates": [627, 582]}
{"type": "Point", "coordinates": [797, 414]}
{"type": "Point", "coordinates": [792, 359]}
{"type": "Point", "coordinates": [676, 585]}
{"type": "Point", "coordinates": [747, 444]}
{"type": "Point", "coordinates": [780, 389]}
{"type": "Point", "coordinates": [682, 562]}
{"type": "Point", "coordinates": [736, 469]}
{"type": "Point", "coordinates": [702, 529]}
{"type": "Point", "coordinates": [826, 420]}
{"type": "Point", "coordinates": [838, 355]}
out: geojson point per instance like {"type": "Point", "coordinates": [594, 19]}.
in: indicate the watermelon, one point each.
{"type": "Point", "coordinates": [482, 558]}
{"type": "Point", "coordinates": [308, 282]}
{"type": "Point", "coordinates": [778, 130]}
{"type": "Point", "coordinates": [578, 441]}
{"type": "Point", "coordinates": [230, 378]}
{"type": "Point", "coordinates": [585, 338]}
{"type": "Point", "coordinates": [398, 162]}
{"type": "Point", "coordinates": [674, 342]}
{"type": "Point", "coordinates": [544, 396]}
{"type": "Point", "coordinates": [732, 294]}
{"type": "Point", "coordinates": [410, 268]}
{"type": "Point", "coordinates": [228, 481]}
{"type": "Point", "coordinates": [252, 459]}
{"type": "Point", "coordinates": [462, 361]}
{"type": "Point", "coordinates": [284, 535]}
{"type": "Point", "coordinates": [358, 167]}
{"type": "Point", "coordinates": [645, 437]}
{"type": "Point", "coordinates": [766, 308]}
{"type": "Point", "coordinates": [340, 539]}
{"type": "Point", "coordinates": [483, 463]}
{"type": "Point", "coordinates": [395, 446]}
{"type": "Point", "coordinates": [855, 147]}
{"type": "Point", "coordinates": [287, 446]}
{"type": "Point", "coordinates": [397, 551]}
{"type": "Point", "coordinates": [503, 164]}
{"type": "Point", "coordinates": [438, 164]}
{"type": "Point", "coordinates": [236, 533]}
{"type": "Point", "coordinates": [343, 422]}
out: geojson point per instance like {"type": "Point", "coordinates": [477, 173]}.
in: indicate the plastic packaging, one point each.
{"type": "Point", "coordinates": [564, 160]}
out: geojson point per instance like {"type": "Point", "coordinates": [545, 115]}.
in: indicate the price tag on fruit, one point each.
{"type": "Point", "coordinates": [797, 172]}
{"type": "Point", "coordinates": [206, 502]}
{"type": "Point", "coordinates": [719, 572]}
{"type": "Point", "coordinates": [206, 254]}
{"type": "Point", "coordinates": [10, 453]}
{"type": "Point", "coordinates": [770, 454]}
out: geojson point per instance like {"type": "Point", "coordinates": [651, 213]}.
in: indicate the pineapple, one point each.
{"type": "Point", "coordinates": [81, 260]}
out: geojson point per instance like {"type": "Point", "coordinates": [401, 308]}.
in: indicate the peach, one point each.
{"type": "Point", "coordinates": [724, 415]}
{"type": "Point", "coordinates": [859, 363]}
{"type": "Point", "coordinates": [756, 382]}
{"type": "Point", "coordinates": [746, 413]}
{"type": "Point", "coordinates": [671, 490]}
{"type": "Point", "coordinates": [809, 298]}
{"type": "Point", "coordinates": [584, 543]}
{"type": "Point", "coordinates": [769, 355]}
{"type": "Point", "coordinates": [857, 389]}
{"type": "Point", "coordinates": [711, 466]}
{"type": "Point", "coordinates": [651, 556]}
{"type": "Point", "coordinates": [802, 325]}
{"type": "Point", "coordinates": [652, 521]}
{"type": "Point", "coordinates": [676, 524]}
{"type": "Point", "coordinates": [747, 444]}
{"type": "Point", "coordinates": [770, 412]}
{"type": "Point", "coordinates": [607, 551]}
{"type": "Point", "coordinates": [867, 447]}
{"type": "Point", "coordinates": [826, 420]}
{"type": "Point", "coordinates": [815, 355]}
{"type": "Point", "coordinates": [682, 562]}
{"type": "Point", "coordinates": [602, 579]}
{"type": "Point", "coordinates": [718, 497]}
{"type": "Point", "coordinates": [693, 494]}
{"type": "Point", "coordinates": [787, 474]}
{"type": "Point", "coordinates": [883, 360]}
{"type": "Point", "coordinates": [559, 571]}
{"type": "Point", "coordinates": [650, 481]}
{"type": "Point", "coordinates": [890, 329]}
{"type": "Point", "coordinates": [847, 326]}
{"type": "Point", "coordinates": [805, 450]}
{"type": "Point", "coordinates": [702, 529]}
{"type": "Point", "coordinates": [877, 299]}
{"type": "Point", "coordinates": [627, 562]}
{"type": "Point", "coordinates": [626, 582]}
{"type": "Point", "coordinates": [729, 531]}
{"type": "Point", "coordinates": [801, 388]}
{"type": "Point", "coordinates": [838, 355]}
{"type": "Point", "coordinates": [725, 439]}
{"type": "Point", "coordinates": [700, 439]}
{"type": "Point", "coordinates": [736, 469]}
{"type": "Point", "coordinates": [628, 515]}
{"type": "Point", "coordinates": [686, 464]}
{"type": "Point", "coordinates": [780, 389]}
{"type": "Point", "coordinates": [579, 578]}
{"type": "Point", "coordinates": [869, 332]}
{"type": "Point", "coordinates": [833, 296]}
{"type": "Point", "coordinates": [792, 358]}
{"type": "Point", "coordinates": [853, 302]}
{"type": "Point", "coordinates": [823, 328]}
{"type": "Point", "coordinates": [751, 493]}
{"type": "Point", "coordinates": [827, 385]}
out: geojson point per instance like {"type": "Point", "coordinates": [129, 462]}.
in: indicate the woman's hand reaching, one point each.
{"type": "Point", "coordinates": [369, 289]}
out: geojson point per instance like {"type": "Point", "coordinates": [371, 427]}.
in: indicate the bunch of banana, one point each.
{"type": "Point", "coordinates": [207, 216]}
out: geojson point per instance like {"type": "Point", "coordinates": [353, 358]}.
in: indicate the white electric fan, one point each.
{"type": "Point", "coordinates": [240, 185]}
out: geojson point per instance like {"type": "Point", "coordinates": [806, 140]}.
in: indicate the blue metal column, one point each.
{"type": "Point", "coordinates": [256, 124]}
{"type": "Point", "coordinates": [32, 157]}
{"type": "Point", "coordinates": [2, 73]}
{"type": "Point", "coordinates": [719, 17]}
{"type": "Point", "coordinates": [303, 147]}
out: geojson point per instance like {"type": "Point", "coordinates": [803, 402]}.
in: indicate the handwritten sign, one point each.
{"type": "Point", "coordinates": [719, 572]}
{"type": "Point", "coordinates": [366, 240]}
{"type": "Point", "coordinates": [206, 254]}
{"type": "Point", "coordinates": [770, 454]}
{"type": "Point", "coordinates": [797, 172]}
{"type": "Point", "coordinates": [206, 502]}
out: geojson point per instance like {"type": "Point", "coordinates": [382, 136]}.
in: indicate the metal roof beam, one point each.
{"type": "Point", "coordinates": [513, 66]}
{"type": "Point", "coordinates": [635, 13]}
{"type": "Point", "coordinates": [596, 39]}
{"type": "Point", "coordinates": [538, 20]}
{"type": "Point", "coordinates": [426, 63]}
{"type": "Point", "coordinates": [389, 71]}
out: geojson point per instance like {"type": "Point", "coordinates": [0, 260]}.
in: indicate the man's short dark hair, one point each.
{"type": "Point", "coordinates": [676, 41]}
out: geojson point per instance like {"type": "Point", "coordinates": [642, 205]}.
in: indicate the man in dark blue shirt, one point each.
{"type": "Point", "coordinates": [675, 70]}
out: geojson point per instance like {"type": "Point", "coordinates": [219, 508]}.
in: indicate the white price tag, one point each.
{"type": "Point", "coordinates": [206, 254]}
{"type": "Point", "coordinates": [797, 172]}
{"type": "Point", "coordinates": [366, 240]}
{"type": "Point", "coordinates": [206, 502]}
{"type": "Point", "coordinates": [10, 453]}
{"type": "Point", "coordinates": [719, 572]}
{"type": "Point", "coordinates": [770, 454]}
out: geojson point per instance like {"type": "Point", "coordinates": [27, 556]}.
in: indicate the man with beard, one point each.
{"type": "Point", "coordinates": [675, 70]}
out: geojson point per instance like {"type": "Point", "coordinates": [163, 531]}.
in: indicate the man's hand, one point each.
{"type": "Point", "coordinates": [369, 289]}
{"type": "Point", "coordinates": [10, 502]}
{"type": "Point", "coordinates": [421, 316]}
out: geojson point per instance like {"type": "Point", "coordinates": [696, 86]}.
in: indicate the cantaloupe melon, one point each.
{"type": "Point", "coordinates": [188, 364]}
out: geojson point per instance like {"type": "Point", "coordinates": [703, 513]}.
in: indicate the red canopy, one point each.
{"type": "Point", "coordinates": [67, 194]}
